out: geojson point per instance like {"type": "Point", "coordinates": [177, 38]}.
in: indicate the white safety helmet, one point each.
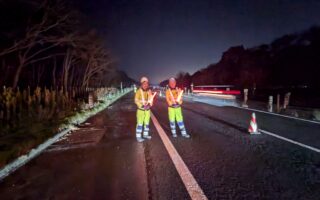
{"type": "Point", "coordinates": [172, 80]}
{"type": "Point", "coordinates": [144, 79]}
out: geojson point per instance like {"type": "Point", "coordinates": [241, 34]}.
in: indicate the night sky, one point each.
{"type": "Point", "coordinates": [160, 38]}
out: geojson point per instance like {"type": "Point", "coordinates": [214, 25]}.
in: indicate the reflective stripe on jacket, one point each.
{"type": "Point", "coordinates": [141, 97]}
{"type": "Point", "coordinates": [172, 96]}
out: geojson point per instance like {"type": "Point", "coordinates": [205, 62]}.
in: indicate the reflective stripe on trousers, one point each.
{"type": "Point", "coordinates": [175, 115]}
{"type": "Point", "coordinates": [181, 126]}
{"type": "Point", "coordinates": [143, 119]}
{"type": "Point", "coordinates": [173, 127]}
{"type": "Point", "coordinates": [146, 130]}
{"type": "Point", "coordinates": [139, 130]}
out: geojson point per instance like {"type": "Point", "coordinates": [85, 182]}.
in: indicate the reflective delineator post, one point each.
{"type": "Point", "coordinates": [286, 100]}
{"type": "Point", "coordinates": [270, 104]}
{"type": "Point", "coordinates": [134, 88]}
{"type": "Point", "coordinates": [278, 103]}
{"type": "Point", "coordinates": [245, 98]}
{"type": "Point", "coordinates": [191, 88]}
{"type": "Point", "coordinates": [253, 127]}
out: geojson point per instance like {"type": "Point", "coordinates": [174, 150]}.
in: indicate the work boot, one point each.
{"type": "Point", "coordinates": [146, 135]}
{"type": "Point", "coordinates": [183, 130]}
{"type": "Point", "coordinates": [146, 132]}
{"type": "Point", "coordinates": [185, 134]}
{"type": "Point", "coordinates": [173, 129]}
{"type": "Point", "coordinates": [174, 133]}
{"type": "Point", "coordinates": [140, 139]}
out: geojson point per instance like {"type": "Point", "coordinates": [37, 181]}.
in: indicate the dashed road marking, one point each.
{"type": "Point", "coordinates": [291, 141]}
{"type": "Point", "coordinates": [188, 180]}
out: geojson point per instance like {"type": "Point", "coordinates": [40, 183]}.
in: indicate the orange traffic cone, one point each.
{"type": "Point", "coordinates": [253, 128]}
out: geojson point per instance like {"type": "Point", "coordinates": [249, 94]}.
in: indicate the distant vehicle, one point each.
{"type": "Point", "coordinates": [219, 91]}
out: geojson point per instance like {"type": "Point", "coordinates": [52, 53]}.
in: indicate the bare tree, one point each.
{"type": "Point", "coordinates": [38, 38]}
{"type": "Point", "coordinates": [68, 49]}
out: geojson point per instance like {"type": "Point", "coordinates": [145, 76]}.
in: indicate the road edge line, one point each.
{"type": "Point", "coordinates": [290, 141]}
{"type": "Point", "coordinates": [187, 178]}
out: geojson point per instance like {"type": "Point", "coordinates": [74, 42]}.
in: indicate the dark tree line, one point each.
{"type": "Point", "coordinates": [290, 61]}
{"type": "Point", "coordinates": [47, 43]}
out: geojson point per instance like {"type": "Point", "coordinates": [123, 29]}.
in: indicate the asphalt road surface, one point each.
{"type": "Point", "coordinates": [102, 160]}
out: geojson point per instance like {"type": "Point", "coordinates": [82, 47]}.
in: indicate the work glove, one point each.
{"type": "Point", "coordinates": [146, 107]}
{"type": "Point", "coordinates": [175, 105]}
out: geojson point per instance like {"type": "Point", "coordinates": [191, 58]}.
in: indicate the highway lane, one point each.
{"type": "Point", "coordinates": [113, 169]}
{"type": "Point", "coordinates": [301, 131]}
{"type": "Point", "coordinates": [229, 163]}
{"type": "Point", "coordinates": [117, 167]}
{"type": "Point", "coordinates": [224, 159]}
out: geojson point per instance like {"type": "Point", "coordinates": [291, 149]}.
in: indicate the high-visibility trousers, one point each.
{"type": "Point", "coordinates": [175, 115]}
{"type": "Point", "coordinates": [143, 120]}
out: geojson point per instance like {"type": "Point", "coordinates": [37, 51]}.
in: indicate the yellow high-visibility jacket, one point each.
{"type": "Point", "coordinates": [142, 97]}
{"type": "Point", "coordinates": [172, 96]}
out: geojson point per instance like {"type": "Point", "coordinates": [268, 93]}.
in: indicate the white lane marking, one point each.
{"type": "Point", "coordinates": [285, 116]}
{"type": "Point", "coordinates": [190, 183]}
{"type": "Point", "coordinates": [20, 161]}
{"type": "Point", "coordinates": [291, 141]}
{"type": "Point", "coordinates": [281, 137]}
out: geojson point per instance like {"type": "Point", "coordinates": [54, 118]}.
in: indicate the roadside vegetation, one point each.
{"type": "Point", "coordinates": [51, 61]}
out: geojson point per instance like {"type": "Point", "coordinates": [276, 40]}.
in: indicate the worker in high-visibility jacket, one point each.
{"type": "Point", "coordinates": [174, 100]}
{"type": "Point", "coordinates": [144, 101]}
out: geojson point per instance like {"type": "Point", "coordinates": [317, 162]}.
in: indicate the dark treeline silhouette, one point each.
{"type": "Point", "coordinates": [290, 61]}
{"type": "Point", "coordinates": [289, 64]}
{"type": "Point", "coordinates": [47, 43]}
